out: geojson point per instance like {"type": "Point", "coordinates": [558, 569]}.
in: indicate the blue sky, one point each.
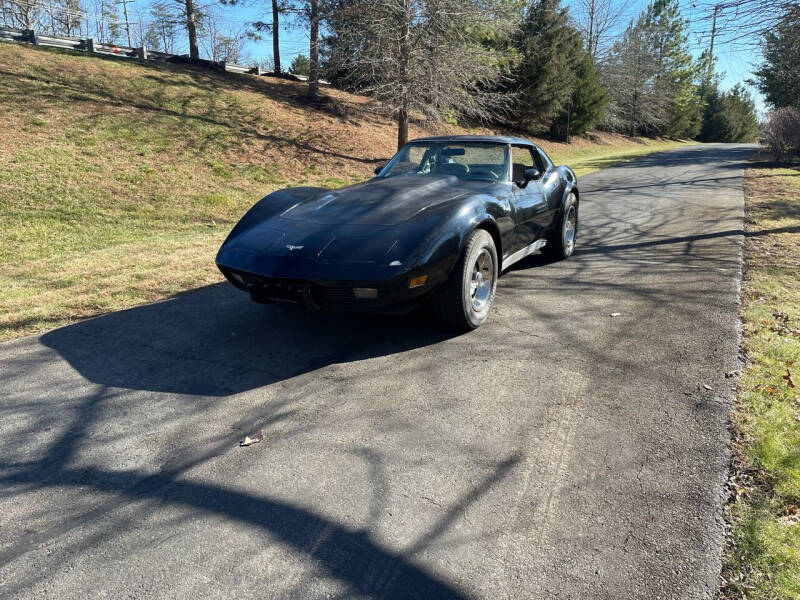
{"type": "Point", "coordinates": [736, 61]}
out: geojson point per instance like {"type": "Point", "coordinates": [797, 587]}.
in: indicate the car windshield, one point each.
{"type": "Point", "coordinates": [470, 160]}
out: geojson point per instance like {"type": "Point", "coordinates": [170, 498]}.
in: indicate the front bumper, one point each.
{"type": "Point", "coordinates": [392, 295]}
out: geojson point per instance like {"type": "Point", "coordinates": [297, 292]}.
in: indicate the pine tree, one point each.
{"type": "Point", "coordinates": [164, 21]}
{"type": "Point", "coordinates": [550, 50]}
{"type": "Point", "coordinates": [779, 75]}
{"type": "Point", "coordinates": [109, 26]}
{"type": "Point", "coordinates": [676, 71]}
{"type": "Point", "coordinates": [300, 65]}
{"type": "Point", "coordinates": [588, 104]}
{"type": "Point", "coordinates": [729, 117]}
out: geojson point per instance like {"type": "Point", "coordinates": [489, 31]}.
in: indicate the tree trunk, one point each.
{"type": "Point", "coordinates": [402, 128]}
{"type": "Point", "coordinates": [276, 49]}
{"type": "Point", "coordinates": [191, 29]}
{"type": "Point", "coordinates": [405, 51]}
{"type": "Point", "coordinates": [313, 51]}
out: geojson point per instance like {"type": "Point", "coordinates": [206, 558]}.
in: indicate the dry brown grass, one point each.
{"type": "Point", "coordinates": [762, 560]}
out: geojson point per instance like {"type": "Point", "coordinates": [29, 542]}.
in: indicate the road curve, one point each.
{"type": "Point", "coordinates": [557, 452]}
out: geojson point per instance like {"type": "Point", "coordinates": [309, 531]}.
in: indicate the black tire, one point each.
{"type": "Point", "coordinates": [465, 299]}
{"type": "Point", "coordinates": [560, 244]}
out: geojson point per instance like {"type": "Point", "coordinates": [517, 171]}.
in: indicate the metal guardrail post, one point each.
{"type": "Point", "coordinates": [90, 45]}
{"type": "Point", "coordinates": [31, 36]}
{"type": "Point", "coordinates": [142, 52]}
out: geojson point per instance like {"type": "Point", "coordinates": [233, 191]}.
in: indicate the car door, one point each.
{"type": "Point", "coordinates": [552, 186]}
{"type": "Point", "coordinates": [531, 208]}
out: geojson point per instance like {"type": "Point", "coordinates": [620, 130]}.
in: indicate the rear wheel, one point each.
{"type": "Point", "coordinates": [561, 243]}
{"type": "Point", "coordinates": [466, 298]}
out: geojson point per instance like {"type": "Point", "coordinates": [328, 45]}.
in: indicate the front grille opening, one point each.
{"type": "Point", "coordinates": [272, 289]}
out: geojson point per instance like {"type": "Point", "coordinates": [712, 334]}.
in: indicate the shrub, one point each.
{"type": "Point", "coordinates": [782, 133]}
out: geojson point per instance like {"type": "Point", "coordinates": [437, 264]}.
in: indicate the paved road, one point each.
{"type": "Point", "coordinates": [558, 452]}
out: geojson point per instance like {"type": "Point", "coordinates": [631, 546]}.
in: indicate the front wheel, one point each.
{"type": "Point", "coordinates": [561, 242]}
{"type": "Point", "coordinates": [466, 298]}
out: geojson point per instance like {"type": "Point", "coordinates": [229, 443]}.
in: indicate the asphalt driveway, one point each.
{"type": "Point", "coordinates": [557, 452]}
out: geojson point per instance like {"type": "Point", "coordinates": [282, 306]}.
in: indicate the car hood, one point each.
{"type": "Point", "coordinates": [380, 201]}
{"type": "Point", "coordinates": [374, 226]}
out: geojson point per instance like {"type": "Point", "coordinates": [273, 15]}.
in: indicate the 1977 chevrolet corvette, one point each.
{"type": "Point", "coordinates": [438, 222]}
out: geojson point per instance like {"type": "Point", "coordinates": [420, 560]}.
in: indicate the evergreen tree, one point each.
{"type": "Point", "coordinates": [109, 26]}
{"type": "Point", "coordinates": [300, 65]}
{"type": "Point", "coordinates": [707, 79]}
{"type": "Point", "coordinates": [729, 117]}
{"type": "Point", "coordinates": [676, 72]}
{"type": "Point", "coordinates": [588, 104]}
{"type": "Point", "coordinates": [164, 21]}
{"type": "Point", "coordinates": [550, 49]}
{"type": "Point", "coordinates": [779, 75]}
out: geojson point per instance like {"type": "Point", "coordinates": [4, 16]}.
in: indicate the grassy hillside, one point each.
{"type": "Point", "coordinates": [119, 179]}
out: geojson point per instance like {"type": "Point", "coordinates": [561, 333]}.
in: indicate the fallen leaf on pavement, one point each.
{"type": "Point", "coordinates": [615, 314]}
{"type": "Point", "coordinates": [708, 387]}
{"type": "Point", "coordinates": [249, 441]}
{"type": "Point", "coordinates": [735, 373]}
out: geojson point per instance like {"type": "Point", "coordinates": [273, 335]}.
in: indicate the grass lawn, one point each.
{"type": "Point", "coordinates": [120, 179]}
{"type": "Point", "coordinates": [763, 558]}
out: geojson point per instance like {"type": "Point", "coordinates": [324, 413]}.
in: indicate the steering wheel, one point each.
{"type": "Point", "coordinates": [485, 172]}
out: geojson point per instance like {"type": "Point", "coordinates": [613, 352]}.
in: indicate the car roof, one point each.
{"type": "Point", "coordinates": [497, 139]}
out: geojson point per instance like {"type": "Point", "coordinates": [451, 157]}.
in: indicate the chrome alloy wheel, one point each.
{"type": "Point", "coordinates": [481, 280]}
{"type": "Point", "coordinates": [570, 225]}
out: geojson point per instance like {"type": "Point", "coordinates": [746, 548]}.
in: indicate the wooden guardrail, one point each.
{"type": "Point", "coordinates": [29, 36]}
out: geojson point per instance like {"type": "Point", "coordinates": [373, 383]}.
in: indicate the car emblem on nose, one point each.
{"type": "Point", "coordinates": [291, 247]}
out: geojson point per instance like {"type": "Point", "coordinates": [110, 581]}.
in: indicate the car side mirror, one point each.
{"type": "Point", "coordinates": [378, 169]}
{"type": "Point", "coordinates": [529, 174]}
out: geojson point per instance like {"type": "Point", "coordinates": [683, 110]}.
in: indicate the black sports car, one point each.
{"type": "Point", "coordinates": [438, 222]}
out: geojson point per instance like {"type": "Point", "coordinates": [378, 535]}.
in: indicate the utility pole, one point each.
{"type": "Point", "coordinates": [710, 72]}
{"type": "Point", "coordinates": [127, 23]}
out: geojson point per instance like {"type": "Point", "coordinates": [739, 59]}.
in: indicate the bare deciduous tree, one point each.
{"type": "Point", "coordinates": [782, 133]}
{"type": "Point", "coordinates": [417, 56]}
{"type": "Point", "coordinates": [22, 14]}
{"type": "Point", "coordinates": [221, 43]}
{"type": "Point", "coordinates": [739, 23]}
{"type": "Point", "coordinates": [599, 22]}
{"type": "Point", "coordinates": [638, 102]}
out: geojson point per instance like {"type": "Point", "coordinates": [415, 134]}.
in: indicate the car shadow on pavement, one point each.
{"type": "Point", "coordinates": [215, 341]}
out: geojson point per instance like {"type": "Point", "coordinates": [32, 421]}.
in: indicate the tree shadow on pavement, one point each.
{"type": "Point", "coordinates": [212, 342]}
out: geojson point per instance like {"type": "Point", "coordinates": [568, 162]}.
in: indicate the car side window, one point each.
{"type": "Point", "coordinates": [521, 158]}
{"type": "Point", "coordinates": [410, 161]}
{"type": "Point", "coordinates": [543, 160]}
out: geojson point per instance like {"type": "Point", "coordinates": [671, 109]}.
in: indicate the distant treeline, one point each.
{"type": "Point", "coordinates": [530, 66]}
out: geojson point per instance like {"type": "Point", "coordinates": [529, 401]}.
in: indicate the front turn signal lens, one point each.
{"type": "Point", "coordinates": [418, 281]}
